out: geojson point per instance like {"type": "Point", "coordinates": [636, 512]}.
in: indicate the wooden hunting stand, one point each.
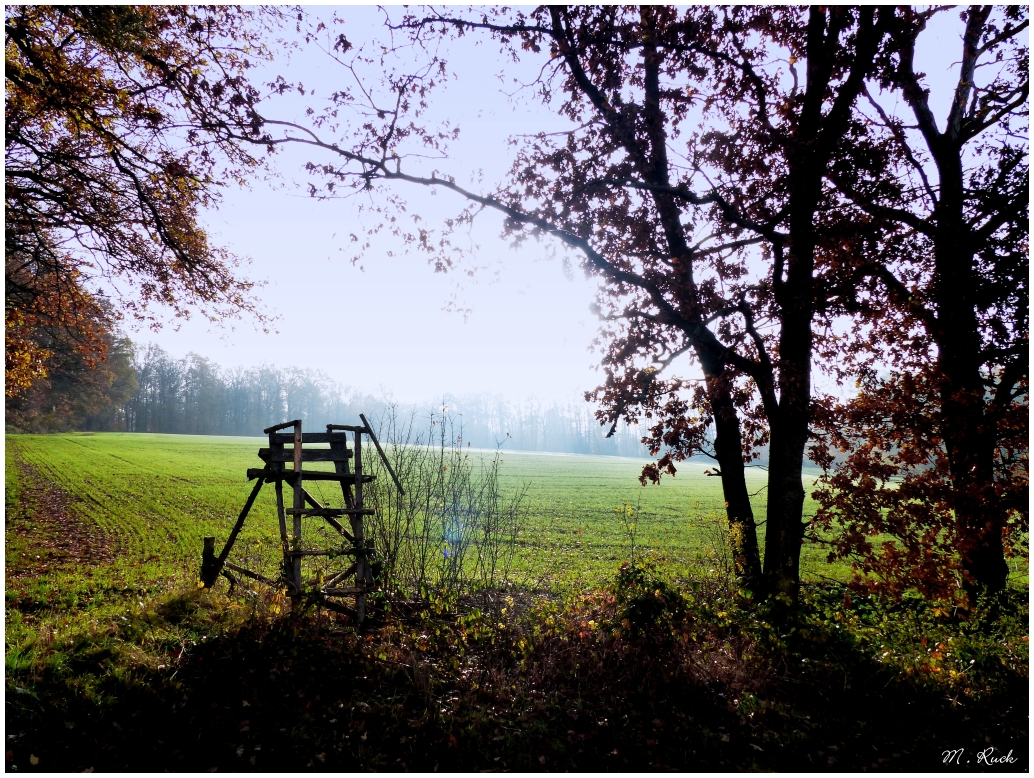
{"type": "Point", "coordinates": [358, 550]}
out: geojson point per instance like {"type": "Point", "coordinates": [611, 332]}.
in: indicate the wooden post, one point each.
{"type": "Point", "coordinates": [282, 515]}
{"type": "Point", "coordinates": [209, 570]}
{"type": "Point", "coordinates": [299, 504]}
{"type": "Point", "coordinates": [361, 562]}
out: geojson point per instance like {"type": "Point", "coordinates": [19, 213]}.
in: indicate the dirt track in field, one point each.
{"type": "Point", "coordinates": [58, 538]}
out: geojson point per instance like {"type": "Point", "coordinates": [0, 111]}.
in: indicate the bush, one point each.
{"type": "Point", "coordinates": [454, 532]}
{"type": "Point", "coordinates": [645, 602]}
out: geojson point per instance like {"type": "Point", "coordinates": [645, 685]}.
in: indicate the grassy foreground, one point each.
{"type": "Point", "coordinates": [115, 661]}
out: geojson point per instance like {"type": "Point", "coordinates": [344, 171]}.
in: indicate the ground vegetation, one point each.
{"type": "Point", "coordinates": [621, 645]}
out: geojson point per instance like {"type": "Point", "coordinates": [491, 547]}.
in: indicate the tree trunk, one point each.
{"type": "Point", "coordinates": [784, 531]}
{"type": "Point", "coordinates": [728, 449]}
{"type": "Point", "coordinates": [969, 435]}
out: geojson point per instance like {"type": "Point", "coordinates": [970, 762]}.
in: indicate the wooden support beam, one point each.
{"type": "Point", "coordinates": [337, 577]}
{"type": "Point", "coordinates": [240, 522]}
{"type": "Point", "coordinates": [362, 565]}
{"type": "Point", "coordinates": [338, 607]}
{"type": "Point", "coordinates": [285, 425]}
{"type": "Point", "coordinates": [250, 574]}
{"type": "Point", "coordinates": [211, 565]}
{"type": "Point", "coordinates": [282, 516]}
{"type": "Point", "coordinates": [384, 459]}
{"type": "Point", "coordinates": [333, 522]}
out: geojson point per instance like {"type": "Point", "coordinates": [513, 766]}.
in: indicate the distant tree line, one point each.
{"type": "Point", "coordinates": [195, 396]}
{"type": "Point", "coordinates": [149, 390]}
{"type": "Point", "coordinates": [489, 421]}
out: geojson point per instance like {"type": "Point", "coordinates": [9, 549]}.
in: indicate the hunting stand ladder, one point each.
{"type": "Point", "coordinates": [358, 549]}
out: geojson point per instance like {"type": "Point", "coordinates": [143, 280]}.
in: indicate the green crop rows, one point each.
{"type": "Point", "coordinates": [152, 498]}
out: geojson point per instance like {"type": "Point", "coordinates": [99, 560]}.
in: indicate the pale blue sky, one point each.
{"type": "Point", "coordinates": [384, 328]}
{"type": "Point", "coordinates": [529, 329]}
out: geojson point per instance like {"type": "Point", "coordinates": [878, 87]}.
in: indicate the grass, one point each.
{"type": "Point", "coordinates": [114, 660]}
{"type": "Point", "coordinates": [156, 496]}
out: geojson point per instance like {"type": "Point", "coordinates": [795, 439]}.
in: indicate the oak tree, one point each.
{"type": "Point", "coordinates": [119, 125]}
{"type": "Point", "coordinates": [934, 488]}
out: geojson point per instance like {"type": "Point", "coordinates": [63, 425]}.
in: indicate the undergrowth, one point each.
{"type": "Point", "coordinates": [643, 674]}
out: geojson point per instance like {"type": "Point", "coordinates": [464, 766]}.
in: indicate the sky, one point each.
{"type": "Point", "coordinates": [387, 328]}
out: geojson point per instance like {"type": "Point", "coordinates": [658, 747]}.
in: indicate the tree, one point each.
{"type": "Point", "coordinates": [937, 437]}
{"type": "Point", "coordinates": [77, 394]}
{"type": "Point", "coordinates": [710, 242]}
{"type": "Point", "coordinates": [119, 124]}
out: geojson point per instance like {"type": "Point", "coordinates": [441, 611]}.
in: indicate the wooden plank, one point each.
{"type": "Point", "coordinates": [250, 574]}
{"type": "Point", "coordinates": [307, 475]}
{"type": "Point", "coordinates": [286, 424]}
{"type": "Point", "coordinates": [320, 552]}
{"type": "Point", "coordinates": [316, 512]}
{"type": "Point", "coordinates": [310, 437]}
{"type": "Point", "coordinates": [345, 592]}
{"type": "Point", "coordinates": [308, 455]}
{"type": "Point", "coordinates": [316, 475]}
{"type": "Point", "coordinates": [346, 427]}
{"type": "Point", "coordinates": [331, 512]}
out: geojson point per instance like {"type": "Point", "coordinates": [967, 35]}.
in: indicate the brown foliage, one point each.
{"type": "Point", "coordinates": [116, 122]}
{"type": "Point", "coordinates": [937, 436]}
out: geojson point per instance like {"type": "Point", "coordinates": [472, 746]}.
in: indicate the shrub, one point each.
{"type": "Point", "coordinates": [454, 531]}
{"type": "Point", "coordinates": [645, 602]}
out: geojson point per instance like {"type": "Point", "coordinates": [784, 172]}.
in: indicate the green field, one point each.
{"type": "Point", "coordinates": [143, 503]}
{"type": "Point", "coordinates": [153, 497]}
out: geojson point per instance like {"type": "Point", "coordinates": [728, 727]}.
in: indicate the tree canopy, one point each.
{"type": "Point", "coordinates": [117, 134]}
